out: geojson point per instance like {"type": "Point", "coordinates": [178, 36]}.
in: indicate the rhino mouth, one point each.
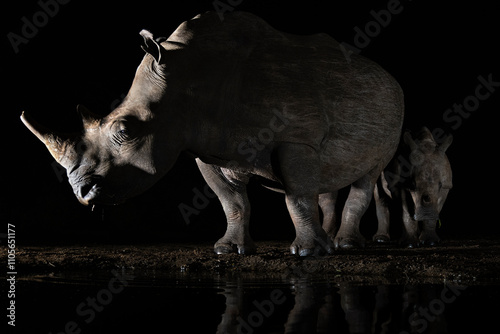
{"type": "Point", "coordinates": [426, 214]}
{"type": "Point", "coordinates": [88, 194]}
{"type": "Point", "coordinates": [92, 194]}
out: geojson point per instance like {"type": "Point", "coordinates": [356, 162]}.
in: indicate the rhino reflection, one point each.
{"type": "Point", "coordinates": [233, 292]}
{"type": "Point", "coordinates": [242, 317]}
{"type": "Point", "coordinates": [365, 308]}
{"type": "Point", "coordinates": [314, 310]}
{"type": "Point", "coordinates": [346, 308]}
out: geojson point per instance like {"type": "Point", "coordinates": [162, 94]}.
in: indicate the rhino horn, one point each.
{"type": "Point", "coordinates": [89, 119]}
{"type": "Point", "coordinates": [57, 144]}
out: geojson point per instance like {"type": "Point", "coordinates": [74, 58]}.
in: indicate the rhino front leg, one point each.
{"type": "Point", "coordinates": [357, 202]}
{"type": "Point", "coordinates": [299, 171]}
{"type": "Point", "coordinates": [230, 188]}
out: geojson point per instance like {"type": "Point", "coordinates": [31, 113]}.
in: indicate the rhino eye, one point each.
{"type": "Point", "coordinates": [121, 134]}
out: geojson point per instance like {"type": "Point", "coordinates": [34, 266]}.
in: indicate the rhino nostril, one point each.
{"type": "Point", "coordinates": [89, 192]}
{"type": "Point", "coordinates": [426, 199]}
{"type": "Point", "coordinates": [85, 190]}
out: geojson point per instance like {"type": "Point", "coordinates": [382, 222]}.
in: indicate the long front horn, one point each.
{"type": "Point", "coordinates": [56, 144]}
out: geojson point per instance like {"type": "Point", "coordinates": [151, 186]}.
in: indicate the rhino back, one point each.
{"type": "Point", "coordinates": [349, 111]}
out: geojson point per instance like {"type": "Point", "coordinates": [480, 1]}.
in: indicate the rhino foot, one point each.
{"type": "Point", "coordinates": [410, 243]}
{"type": "Point", "coordinates": [429, 239]}
{"type": "Point", "coordinates": [381, 238]}
{"type": "Point", "coordinates": [316, 251]}
{"type": "Point", "coordinates": [430, 242]}
{"type": "Point", "coordinates": [222, 247]}
{"type": "Point", "coordinates": [350, 242]}
{"type": "Point", "coordinates": [316, 247]}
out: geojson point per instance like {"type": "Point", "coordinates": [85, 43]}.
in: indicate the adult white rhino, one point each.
{"type": "Point", "coordinates": [246, 100]}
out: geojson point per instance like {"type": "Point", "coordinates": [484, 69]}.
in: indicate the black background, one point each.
{"type": "Point", "coordinates": [88, 52]}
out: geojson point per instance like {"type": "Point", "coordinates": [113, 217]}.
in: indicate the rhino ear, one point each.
{"type": "Point", "coordinates": [409, 141]}
{"type": "Point", "coordinates": [445, 144]}
{"type": "Point", "coordinates": [151, 46]}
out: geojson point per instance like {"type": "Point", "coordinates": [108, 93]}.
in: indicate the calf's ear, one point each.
{"type": "Point", "coordinates": [409, 140]}
{"type": "Point", "coordinates": [445, 144]}
{"type": "Point", "coordinates": [151, 46]}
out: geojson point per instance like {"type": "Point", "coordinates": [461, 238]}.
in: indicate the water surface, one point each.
{"type": "Point", "coordinates": [125, 302]}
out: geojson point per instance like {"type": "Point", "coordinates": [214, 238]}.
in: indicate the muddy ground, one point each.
{"type": "Point", "coordinates": [470, 262]}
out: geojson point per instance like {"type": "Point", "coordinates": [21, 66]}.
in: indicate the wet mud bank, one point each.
{"type": "Point", "coordinates": [470, 262]}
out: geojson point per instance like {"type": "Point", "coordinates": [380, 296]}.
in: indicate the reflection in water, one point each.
{"type": "Point", "coordinates": [238, 305]}
{"type": "Point", "coordinates": [341, 308]}
{"type": "Point", "coordinates": [233, 292]}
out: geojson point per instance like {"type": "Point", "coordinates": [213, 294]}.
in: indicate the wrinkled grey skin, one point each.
{"type": "Point", "coordinates": [246, 100]}
{"type": "Point", "coordinates": [421, 182]}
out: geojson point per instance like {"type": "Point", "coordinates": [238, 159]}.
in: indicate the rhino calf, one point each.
{"type": "Point", "coordinates": [209, 89]}
{"type": "Point", "coordinates": [420, 180]}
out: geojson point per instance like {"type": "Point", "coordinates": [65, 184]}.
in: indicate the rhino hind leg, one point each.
{"type": "Point", "coordinates": [383, 215]}
{"type": "Point", "coordinates": [231, 191]}
{"type": "Point", "coordinates": [360, 195]}
{"type": "Point", "coordinates": [310, 238]}
{"type": "Point", "coordinates": [327, 204]}
{"type": "Point", "coordinates": [299, 170]}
